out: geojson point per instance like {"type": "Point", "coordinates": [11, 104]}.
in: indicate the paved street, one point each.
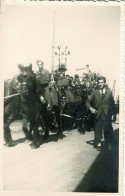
{"type": "Point", "coordinates": [68, 165]}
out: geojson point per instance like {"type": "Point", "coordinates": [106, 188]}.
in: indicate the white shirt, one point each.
{"type": "Point", "coordinates": [102, 91]}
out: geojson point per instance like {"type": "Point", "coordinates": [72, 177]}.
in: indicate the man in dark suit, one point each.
{"type": "Point", "coordinates": [101, 103]}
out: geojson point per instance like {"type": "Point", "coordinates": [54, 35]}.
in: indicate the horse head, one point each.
{"type": "Point", "coordinates": [26, 79]}
{"type": "Point", "coordinates": [25, 70]}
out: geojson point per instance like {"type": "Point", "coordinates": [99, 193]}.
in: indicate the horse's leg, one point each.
{"type": "Point", "coordinates": [53, 121]}
{"type": "Point", "coordinates": [42, 124]}
{"type": "Point", "coordinates": [58, 120]}
{"type": "Point", "coordinates": [36, 142]}
{"type": "Point", "coordinates": [83, 125]}
{"type": "Point", "coordinates": [30, 130]}
{"type": "Point", "coordinates": [25, 129]}
{"type": "Point", "coordinates": [46, 121]}
{"type": "Point", "coordinates": [34, 122]}
{"type": "Point", "coordinates": [10, 112]}
{"type": "Point", "coordinates": [46, 128]}
{"type": "Point", "coordinates": [7, 133]}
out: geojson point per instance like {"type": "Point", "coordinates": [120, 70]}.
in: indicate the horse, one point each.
{"type": "Point", "coordinates": [26, 103]}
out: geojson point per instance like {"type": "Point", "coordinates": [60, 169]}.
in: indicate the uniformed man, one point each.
{"type": "Point", "coordinates": [62, 81]}
{"type": "Point", "coordinates": [43, 78]}
{"type": "Point", "coordinates": [76, 78]}
{"type": "Point", "coordinates": [63, 85]}
{"type": "Point", "coordinates": [56, 106]}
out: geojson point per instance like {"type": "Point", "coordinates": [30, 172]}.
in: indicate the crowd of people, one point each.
{"type": "Point", "coordinates": [83, 102]}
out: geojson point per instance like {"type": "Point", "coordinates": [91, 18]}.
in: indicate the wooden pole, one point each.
{"type": "Point", "coordinates": [53, 42]}
{"type": "Point", "coordinates": [7, 97]}
{"type": "Point", "coordinates": [113, 89]}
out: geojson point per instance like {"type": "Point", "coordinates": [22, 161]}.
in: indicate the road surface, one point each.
{"type": "Point", "coordinates": [68, 165]}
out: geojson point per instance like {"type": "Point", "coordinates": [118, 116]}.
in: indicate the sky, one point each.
{"type": "Point", "coordinates": [91, 33]}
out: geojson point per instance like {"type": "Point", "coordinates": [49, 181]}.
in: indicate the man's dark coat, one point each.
{"type": "Point", "coordinates": [103, 105]}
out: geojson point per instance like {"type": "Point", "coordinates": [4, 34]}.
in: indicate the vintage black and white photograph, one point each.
{"type": "Point", "coordinates": [61, 68]}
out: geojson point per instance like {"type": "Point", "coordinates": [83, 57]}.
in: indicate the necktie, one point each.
{"type": "Point", "coordinates": [102, 93]}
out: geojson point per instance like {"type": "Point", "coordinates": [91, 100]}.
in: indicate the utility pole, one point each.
{"type": "Point", "coordinates": [53, 43]}
{"type": "Point", "coordinates": [62, 55]}
{"type": "Point", "coordinates": [66, 53]}
{"type": "Point", "coordinates": [113, 89]}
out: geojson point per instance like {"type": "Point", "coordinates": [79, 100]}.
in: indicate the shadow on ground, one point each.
{"type": "Point", "coordinates": [42, 139]}
{"type": "Point", "coordinates": [51, 138]}
{"type": "Point", "coordinates": [103, 173]}
{"type": "Point", "coordinates": [16, 142]}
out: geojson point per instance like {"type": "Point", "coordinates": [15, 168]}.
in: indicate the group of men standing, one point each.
{"type": "Point", "coordinates": [80, 96]}
{"type": "Point", "coordinates": [99, 101]}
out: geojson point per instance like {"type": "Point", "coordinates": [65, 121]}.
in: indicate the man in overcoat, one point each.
{"type": "Point", "coordinates": [101, 103]}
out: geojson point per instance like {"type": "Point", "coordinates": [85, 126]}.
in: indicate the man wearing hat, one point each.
{"type": "Point", "coordinates": [63, 85]}
{"type": "Point", "coordinates": [63, 81]}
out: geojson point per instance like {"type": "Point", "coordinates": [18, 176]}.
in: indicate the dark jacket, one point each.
{"type": "Point", "coordinates": [43, 77]}
{"type": "Point", "coordinates": [105, 104]}
{"type": "Point", "coordinates": [63, 82]}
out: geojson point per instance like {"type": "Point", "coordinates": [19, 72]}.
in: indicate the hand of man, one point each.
{"type": "Point", "coordinates": [93, 111]}
{"type": "Point", "coordinates": [49, 107]}
{"type": "Point", "coordinates": [114, 118]}
{"type": "Point", "coordinates": [42, 99]}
